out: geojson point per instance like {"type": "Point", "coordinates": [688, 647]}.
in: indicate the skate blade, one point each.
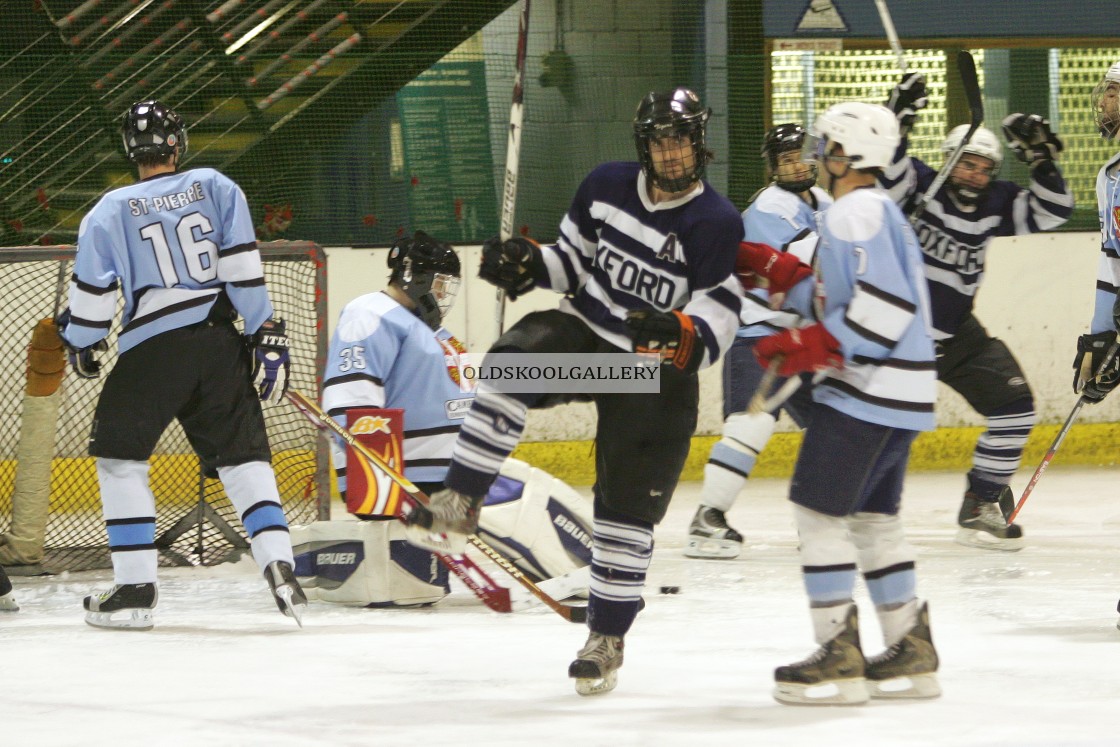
{"type": "Point", "coordinates": [986, 541]}
{"type": "Point", "coordinates": [8, 603]}
{"type": "Point", "coordinates": [127, 619]}
{"type": "Point", "coordinates": [834, 692]}
{"type": "Point", "coordinates": [292, 610]}
{"type": "Point", "coordinates": [705, 547]}
{"type": "Point", "coordinates": [596, 685]}
{"type": "Point", "coordinates": [910, 686]}
{"type": "Point", "coordinates": [441, 544]}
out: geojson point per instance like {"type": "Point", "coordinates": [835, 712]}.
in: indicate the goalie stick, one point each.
{"type": "Point", "coordinates": [971, 85]}
{"type": "Point", "coordinates": [572, 614]}
{"type": "Point", "coordinates": [513, 147]}
{"type": "Point", "coordinates": [1061, 435]}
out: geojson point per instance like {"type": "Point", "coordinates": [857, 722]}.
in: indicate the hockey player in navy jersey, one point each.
{"type": "Point", "coordinates": [955, 229]}
{"type": "Point", "coordinates": [657, 220]}
{"type": "Point", "coordinates": [867, 329]}
{"type": "Point", "coordinates": [1092, 349]}
{"type": "Point", "coordinates": [180, 247]}
{"type": "Point", "coordinates": [783, 214]}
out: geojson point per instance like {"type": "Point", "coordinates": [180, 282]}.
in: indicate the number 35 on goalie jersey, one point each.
{"type": "Point", "coordinates": [171, 244]}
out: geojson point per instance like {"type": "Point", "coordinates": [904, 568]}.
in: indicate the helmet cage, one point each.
{"type": "Point", "coordinates": [428, 272]}
{"type": "Point", "coordinates": [984, 144]}
{"type": "Point", "coordinates": [675, 118]}
{"type": "Point", "coordinates": [151, 130]}
{"type": "Point", "coordinates": [1108, 122]}
{"type": "Point", "coordinates": [787, 138]}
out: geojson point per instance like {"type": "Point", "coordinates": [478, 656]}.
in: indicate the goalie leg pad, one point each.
{"type": "Point", "coordinates": [541, 524]}
{"type": "Point", "coordinates": [366, 564]}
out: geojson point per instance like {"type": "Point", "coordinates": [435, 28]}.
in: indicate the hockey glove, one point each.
{"type": "Point", "coordinates": [669, 335]}
{"type": "Point", "coordinates": [907, 99]}
{"type": "Point", "coordinates": [514, 265]}
{"type": "Point", "coordinates": [1088, 381]}
{"type": "Point", "coordinates": [1029, 136]}
{"type": "Point", "coordinates": [809, 348]}
{"type": "Point", "coordinates": [86, 361]}
{"type": "Point", "coordinates": [271, 362]}
{"type": "Point", "coordinates": [782, 269]}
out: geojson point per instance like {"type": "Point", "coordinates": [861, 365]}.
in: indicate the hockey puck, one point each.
{"type": "Point", "coordinates": [670, 590]}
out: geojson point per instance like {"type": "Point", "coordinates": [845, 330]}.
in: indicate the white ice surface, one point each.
{"type": "Point", "coordinates": [1028, 642]}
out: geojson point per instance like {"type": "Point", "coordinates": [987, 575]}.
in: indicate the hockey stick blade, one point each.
{"type": "Point", "coordinates": [1081, 401]}
{"type": "Point", "coordinates": [314, 412]}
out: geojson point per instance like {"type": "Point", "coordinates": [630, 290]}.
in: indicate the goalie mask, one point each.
{"type": "Point", "coordinates": [789, 174]}
{"type": "Point", "coordinates": [428, 272]}
{"type": "Point", "coordinates": [1106, 104]}
{"type": "Point", "coordinates": [151, 131]}
{"type": "Point", "coordinates": [669, 132]}
{"type": "Point", "coordinates": [984, 144]}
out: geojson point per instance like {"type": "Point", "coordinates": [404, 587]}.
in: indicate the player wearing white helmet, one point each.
{"type": "Point", "coordinates": [867, 331]}
{"type": "Point", "coordinates": [1093, 348]}
{"type": "Point", "coordinates": [965, 214]}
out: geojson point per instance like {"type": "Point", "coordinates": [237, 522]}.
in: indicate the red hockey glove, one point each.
{"type": "Point", "coordinates": [782, 269]}
{"type": "Point", "coordinates": [810, 348]}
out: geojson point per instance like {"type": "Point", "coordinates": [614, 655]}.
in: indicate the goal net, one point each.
{"type": "Point", "coordinates": [195, 522]}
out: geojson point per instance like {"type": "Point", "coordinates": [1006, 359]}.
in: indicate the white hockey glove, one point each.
{"type": "Point", "coordinates": [271, 362]}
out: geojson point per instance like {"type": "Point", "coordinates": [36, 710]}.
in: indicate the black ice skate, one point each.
{"type": "Point", "coordinates": [289, 595]}
{"type": "Point", "coordinates": [834, 675]}
{"type": "Point", "coordinates": [125, 607]}
{"type": "Point", "coordinates": [709, 536]}
{"type": "Point", "coordinates": [908, 668]}
{"type": "Point", "coordinates": [444, 524]}
{"type": "Point", "coordinates": [984, 522]}
{"type": "Point", "coordinates": [595, 669]}
{"type": "Point", "coordinates": [7, 598]}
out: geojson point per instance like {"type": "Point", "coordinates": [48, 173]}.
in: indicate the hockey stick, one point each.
{"type": "Point", "coordinates": [513, 148]}
{"type": "Point", "coordinates": [892, 35]}
{"type": "Point", "coordinates": [314, 412]}
{"type": "Point", "coordinates": [493, 595]}
{"type": "Point", "coordinates": [1109, 356]}
{"type": "Point", "coordinates": [971, 85]}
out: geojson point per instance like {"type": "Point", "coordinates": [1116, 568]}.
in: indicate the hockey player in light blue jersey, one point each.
{"type": "Point", "coordinates": [389, 349]}
{"type": "Point", "coordinates": [958, 223]}
{"type": "Point", "coordinates": [781, 215]}
{"type": "Point", "coordinates": [1092, 349]}
{"type": "Point", "coordinates": [867, 330]}
{"type": "Point", "coordinates": [180, 248]}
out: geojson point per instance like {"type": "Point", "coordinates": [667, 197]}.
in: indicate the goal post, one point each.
{"type": "Point", "coordinates": [195, 522]}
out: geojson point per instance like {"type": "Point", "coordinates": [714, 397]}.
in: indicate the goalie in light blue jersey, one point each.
{"type": "Point", "coordinates": [180, 247]}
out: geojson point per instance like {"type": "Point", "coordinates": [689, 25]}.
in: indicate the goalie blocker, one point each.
{"type": "Point", "coordinates": [538, 522]}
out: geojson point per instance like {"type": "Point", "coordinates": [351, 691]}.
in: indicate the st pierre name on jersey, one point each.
{"type": "Point", "coordinates": [170, 201]}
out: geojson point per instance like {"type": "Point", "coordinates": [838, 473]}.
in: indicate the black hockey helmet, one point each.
{"type": "Point", "coordinates": [786, 138]}
{"type": "Point", "coordinates": [428, 272]}
{"type": "Point", "coordinates": [151, 130]}
{"type": "Point", "coordinates": [673, 114]}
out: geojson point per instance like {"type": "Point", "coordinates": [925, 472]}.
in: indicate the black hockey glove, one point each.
{"type": "Point", "coordinates": [515, 265]}
{"type": "Point", "coordinates": [670, 335]}
{"type": "Point", "coordinates": [1088, 381]}
{"type": "Point", "coordinates": [1029, 136]}
{"type": "Point", "coordinates": [85, 361]}
{"type": "Point", "coordinates": [907, 99]}
{"type": "Point", "coordinates": [271, 362]}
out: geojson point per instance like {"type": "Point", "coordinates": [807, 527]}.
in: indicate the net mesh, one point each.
{"type": "Point", "coordinates": [354, 121]}
{"type": "Point", "coordinates": [295, 273]}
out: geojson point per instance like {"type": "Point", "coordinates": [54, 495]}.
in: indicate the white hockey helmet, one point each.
{"type": "Point", "coordinates": [983, 143]}
{"type": "Point", "coordinates": [1108, 123]}
{"type": "Point", "coordinates": [867, 132]}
